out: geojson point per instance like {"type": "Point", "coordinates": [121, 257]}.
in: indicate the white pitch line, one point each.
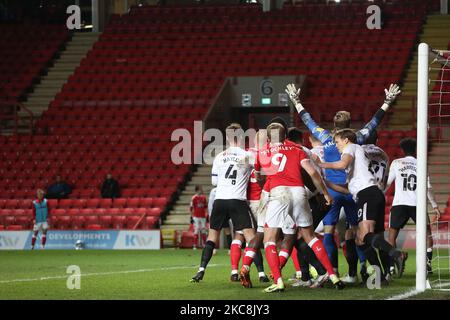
{"type": "Point", "coordinates": [405, 295]}
{"type": "Point", "coordinates": [103, 273]}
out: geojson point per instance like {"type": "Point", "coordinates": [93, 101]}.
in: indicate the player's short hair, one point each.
{"type": "Point", "coordinates": [234, 133]}
{"type": "Point", "coordinates": [276, 132]}
{"type": "Point", "coordinates": [280, 121]}
{"type": "Point", "coordinates": [40, 191]}
{"type": "Point", "coordinates": [372, 138]}
{"type": "Point", "coordinates": [346, 134]}
{"type": "Point", "coordinates": [197, 187]}
{"type": "Point", "coordinates": [295, 135]}
{"type": "Point", "coordinates": [342, 120]}
{"type": "Point", "coordinates": [408, 145]}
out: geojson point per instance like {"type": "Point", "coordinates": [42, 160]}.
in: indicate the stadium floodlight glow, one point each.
{"type": "Point", "coordinates": [422, 146]}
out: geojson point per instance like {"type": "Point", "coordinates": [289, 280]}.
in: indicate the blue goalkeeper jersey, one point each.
{"type": "Point", "coordinates": [331, 152]}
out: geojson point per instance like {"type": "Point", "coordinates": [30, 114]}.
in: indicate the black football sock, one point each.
{"type": "Point", "coordinates": [311, 256]}
{"type": "Point", "coordinates": [207, 253]}
{"type": "Point", "coordinates": [229, 240]}
{"type": "Point", "coordinates": [352, 257]}
{"type": "Point", "coordinates": [377, 241]}
{"type": "Point", "coordinates": [258, 260]}
{"type": "Point", "coordinates": [371, 255]}
{"type": "Point", "coordinates": [385, 262]}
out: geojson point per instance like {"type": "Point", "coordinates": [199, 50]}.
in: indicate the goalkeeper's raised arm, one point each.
{"type": "Point", "coordinates": [320, 133]}
{"type": "Point", "coordinates": [391, 95]}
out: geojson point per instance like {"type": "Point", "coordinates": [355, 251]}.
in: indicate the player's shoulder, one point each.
{"type": "Point", "coordinates": [352, 147]}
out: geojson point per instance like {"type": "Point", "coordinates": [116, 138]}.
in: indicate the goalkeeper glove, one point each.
{"type": "Point", "coordinates": [294, 94]}
{"type": "Point", "coordinates": [391, 94]}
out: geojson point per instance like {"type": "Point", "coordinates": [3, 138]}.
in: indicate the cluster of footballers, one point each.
{"type": "Point", "coordinates": [278, 192]}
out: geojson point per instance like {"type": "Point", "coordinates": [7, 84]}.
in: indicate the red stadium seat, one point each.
{"type": "Point", "coordinates": [151, 222]}
{"type": "Point", "coordinates": [146, 203]}
{"type": "Point", "coordinates": [52, 203]}
{"type": "Point", "coordinates": [133, 202]}
{"type": "Point", "coordinates": [79, 203]}
{"type": "Point", "coordinates": [92, 203]}
{"type": "Point", "coordinates": [120, 202]}
{"type": "Point", "coordinates": [63, 222]}
{"type": "Point", "coordinates": [91, 220]}
{"type": "Point", "coordinates": [105, 203]}
{"type": "Point", "coordinates": [65, 203]}
{"type": "Point", "coordinates": [132, 221]}
{"type": "Point", "coordinates": [129, 211]}
{"type": "Point", "coordinates": [12, 204]}
{"type": "Point", "coordinates": [159, 202]}
{"type": "Point", "coordinates": [58, 212]}
{"type": "Point", "coordinates": [78, 222]}
{"type": "Point", "coordinates": [73, 212]}
{"type": "Point", "coordinates": [141, 211]}
{"type": "Point", "coordinates": [25, 204]}
{"type": "Point", "coordinates": [156, 212]}
{"type": "Point", "coordinates": [105, 221]}
{"type": "Point", "coordinates": [25, 222]}
{"type": "Point", "coordinates": [118, 222]}
{"type": "Point", "coordinates": [14, 227]}
{"type": "Point", "coordinates": [94, 227]}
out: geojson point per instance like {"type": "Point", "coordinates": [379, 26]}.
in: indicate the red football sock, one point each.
{"type": "Point", "coordinates": [44, 239]}
{"type": "Point", "coordinates": [203, 239]}
{"type": "Point", "coordinates": [33, 240]}
{"type": "Point", "coordinates": [235, 254]}
{"type": "Point", "coordinates": [317, 246]}
{"type": "Point", "coordinates": [283, 257]}
{"type": "Point", "coordinates": [195, 239]}
{"type": "Point", "coordinates": [295, 260]}
{"type": "Point", "coordinates": [249, 255]}
{"type": "Point", "coordinates": [272, 260]}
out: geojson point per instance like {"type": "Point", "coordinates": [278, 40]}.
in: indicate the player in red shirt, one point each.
{"type": "Point", "coordinates": [199, 212]}
{"type": "Point", "coordinates": [288, 208]}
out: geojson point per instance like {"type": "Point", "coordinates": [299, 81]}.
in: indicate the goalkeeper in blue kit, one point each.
{"type": "Point", "coordinates": [339, 177]}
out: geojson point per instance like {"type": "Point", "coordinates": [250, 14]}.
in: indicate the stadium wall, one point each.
{"type": "Point", "coordinates": [66, 239]}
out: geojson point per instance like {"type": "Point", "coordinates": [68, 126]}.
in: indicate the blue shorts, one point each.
{"type": "Point", "coordinates": [341, 200]}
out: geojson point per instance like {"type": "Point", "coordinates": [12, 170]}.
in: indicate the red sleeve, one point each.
{"type": "Point", "coordinates": [48, 210]}
{"type": "Point", "coordinates": [302, 155]}
{"type": "Point", "coordinates": [34, 210]}
{"type": "Point", "coordinates": [257, 164]}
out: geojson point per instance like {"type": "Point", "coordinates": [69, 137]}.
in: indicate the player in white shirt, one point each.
{"type": "Point", "coordinates": [369, 199]}
{"type": "Point", "coordinates": [317, 147]}
{"type": "Point", "coordinates": [378, 160]}
{"type": "Point", "coordinates": [230, 174]}
{"type": "Point", "coordinates": [404, 172]}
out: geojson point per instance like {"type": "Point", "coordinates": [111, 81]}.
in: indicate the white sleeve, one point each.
{"type": "Point", "coordinates": [350, 150]}
{"type": "Point", "coordinates": [214, 173]}
{"type": "Point", "coordinates": [391, 176]}
{"type": "Point", "coordinates": [430, 194]}
{"type": "Point", "coordinates": [212, 196]}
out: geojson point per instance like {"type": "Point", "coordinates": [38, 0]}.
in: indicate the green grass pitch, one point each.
{"type": "Point", "coordinates": [162, 274]}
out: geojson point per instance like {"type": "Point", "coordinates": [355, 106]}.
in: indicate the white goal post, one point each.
{"type": "Point", "coordinates": [441, 63]}
{"type": "Point", "coordinates": [422, 152]}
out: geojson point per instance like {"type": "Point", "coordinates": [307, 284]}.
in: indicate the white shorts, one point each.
{"type": "Point", "coordinates": [288, 208]}
{"type": "Point", "coordinates": [40, 226]}
{"type": "Point", "coordinates": [199, 224]}
{"type": "Point", "coordinates": [310, 194]}
{"type": "Point", "coordinates": [254, 205]}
